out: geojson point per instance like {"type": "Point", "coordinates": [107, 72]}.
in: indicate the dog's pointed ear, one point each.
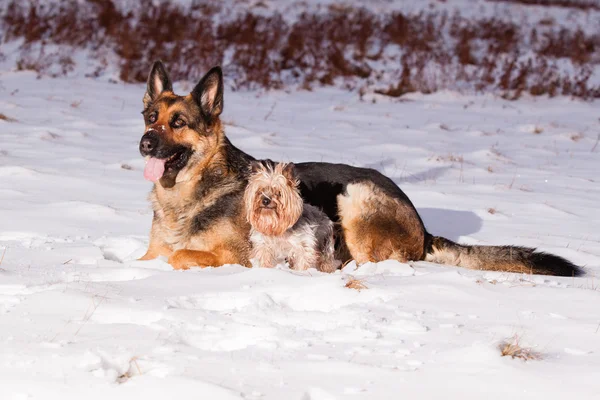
{"type": "Point", "coordinates": [158, 82]}
{"type": "Point", "coordinates": [255, 166]}
{"type": "Point", "coordinates": [208, 93]}
{"type": "Point", "coordinates": [289, 171]}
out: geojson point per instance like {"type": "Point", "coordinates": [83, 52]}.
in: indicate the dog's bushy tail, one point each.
{"type": "Point", "coordinates": [499, 258]}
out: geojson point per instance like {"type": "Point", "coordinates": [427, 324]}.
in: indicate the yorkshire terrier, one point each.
{"type": "Point", "coordinates": [283, 226]}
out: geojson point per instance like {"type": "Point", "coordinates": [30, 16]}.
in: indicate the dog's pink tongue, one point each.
{"type": "Point", "coordinates": [155, 168]}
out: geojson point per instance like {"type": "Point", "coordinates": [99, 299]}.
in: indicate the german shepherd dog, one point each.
{"type": "Point", "coordinates": [200, 177]}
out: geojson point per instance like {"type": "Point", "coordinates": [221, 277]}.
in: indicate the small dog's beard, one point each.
{"type": "Point", "coordinates": [275, 221]}
{"type": "Point", "coordinates": [270, 222]}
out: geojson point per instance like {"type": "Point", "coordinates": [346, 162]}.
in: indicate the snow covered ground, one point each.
{"type": "Point", "coordinates": [80, 318]}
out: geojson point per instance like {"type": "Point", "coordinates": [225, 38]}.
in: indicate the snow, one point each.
{"type": "Point", "coordinates": [81, 317]}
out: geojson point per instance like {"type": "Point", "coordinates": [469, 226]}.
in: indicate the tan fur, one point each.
{"type": "Point", "coordinates": [184, 259]}
{"type": "Point", "coordinates": [176, 206]}
{"type": "Point", "coordinates": [281, 189]}
{"type": "Point", "coordinates": [205, 145]}
{"type": "Point", "coordinates": [377, 227]}
{"type": "Point", "coordinates": [488, 258]}
{"type": "Point", "coordinates": [157, 246]}
{"type": "Point", "coordinates": [175, 209]}
{"type": "Point", "coordinates": [448, 257]}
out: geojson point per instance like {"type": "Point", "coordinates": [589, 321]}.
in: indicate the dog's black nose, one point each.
{"type": "Point", "coordinates": [266, 201]}
{"type": "Point", "coordinates": [148, 144]}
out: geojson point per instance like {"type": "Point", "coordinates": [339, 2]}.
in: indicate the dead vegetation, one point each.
{"type": "Point", "coordinates": [4, 117]}
{"type": "Point", "coordinates": [512, 348]}
{"type": "Point", "coordinates": [576, 137]}
{"type": "Point", "coordinates": [448, 158]}
{"type": "Point", "coordinates": [131, 372]}
{"type": "Point", "coordinates": [2, 258]}
{"type": "Point", "coordinates": [576, 4]}
{"type": "Point", "coordinates": [595, 144]}
{"type": "Point", "coordinates": [356, 284]}
{"type": "Point", "coordinates": [351, 47]}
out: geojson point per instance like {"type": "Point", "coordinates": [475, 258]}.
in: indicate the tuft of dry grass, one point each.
{"type": "Point", "coordinates": [450, 158]}
{"type": "Point", "coordinates": [590, 284]}
{"type": "Point", "coordinates": [129, 374]}
{"type": "Point", "coordinates": [4, 117]}
{"type": "Point", "coordinates": [595, 144]}
{"type": "Point", "coordinates": [481, 281]}
{"type": "Point", "coordinates": [89, 313]}
{"type": "Point", "coordinates": [576, 137]}
{"type": "Point", "coordinates": [513, 348]}
{"type": "Point", "coordinates": [356, 284]}
{"type": "Point", "coordinates": [2, 258]}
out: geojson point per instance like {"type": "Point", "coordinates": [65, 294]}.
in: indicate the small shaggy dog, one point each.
{"type": "Point", "coordinates": [283, 226]}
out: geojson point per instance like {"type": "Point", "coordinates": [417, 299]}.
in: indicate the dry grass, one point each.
{"type": "Point", "coordinates": [356, 284]}
{"type": "Point", "coordinates": [512, 348]}
{"type": "Point", "coordinates": [576, 137]}
{"type": "Point", "coordinates": [6, 118]}
{"type": "Point", "coordinates": [89, 313]}
{"type": "Point", "coordinates": [129, 374]}
{"type": "Point", "coordinates": [577, 4]}
{"type": "Point", "coordinates": [390, 53]}
{"type": "Point", "coordinates": [591, 283]}
{"type": "Point", "coordinates": [481, 281]}
{"type": "Point", "coordinates": [2, 258]}
{"type": "Point", "coordinates": [595, 144]}
{"type": "Point", "coordinates": [450, 158]}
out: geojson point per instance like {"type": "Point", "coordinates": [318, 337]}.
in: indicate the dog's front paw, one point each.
{"type": "Point", "coordinates": [181, 260]}
{"type": "Point", "coordinates": [185, 259]}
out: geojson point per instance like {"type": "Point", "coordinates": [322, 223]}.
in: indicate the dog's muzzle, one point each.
{"type": "Point", "coordinates": [149, 143]}
{"type": "Point", "coordinates": [267, 203]}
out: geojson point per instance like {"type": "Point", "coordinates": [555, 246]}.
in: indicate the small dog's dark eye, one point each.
{"type": "Point", "coordinates": [153, 117]}
{"type": "Point", "coordinates": [179, 123]}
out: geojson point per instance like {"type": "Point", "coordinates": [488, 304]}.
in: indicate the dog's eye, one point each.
{"type": "Point", "coordinates": [153, 117]}
{"type": "Point", "coordinates": [179, 123]}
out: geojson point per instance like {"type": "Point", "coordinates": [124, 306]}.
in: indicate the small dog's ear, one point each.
{"type": "Point", "coordinates": [255, 166]}
{"type": "Point", "coordinates": [208, 93]}
{"type": "Point", "coordinates": [289, 171]}
{"type": "Point", "coordinates": [158, 82]}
